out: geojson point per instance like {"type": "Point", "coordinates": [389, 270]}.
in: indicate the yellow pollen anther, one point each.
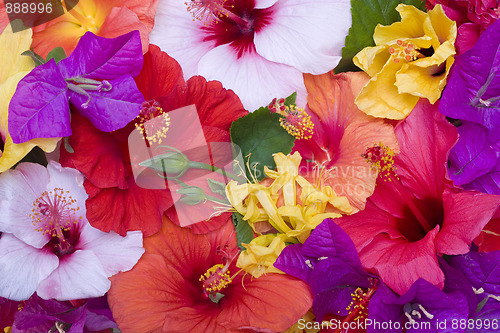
{"type": "Point", "coordinates": [215, 279]}
{"type": "Point", "coordinates": [294, 120]}
{"type": "Point", "coordinates": [153, 122]}
{"type": "Point", "coordinates": [381, 158]}
{"type": "Point", "coordinates": [207, 11]}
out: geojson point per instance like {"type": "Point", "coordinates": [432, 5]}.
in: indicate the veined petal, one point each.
{"type": "Point", "coordinates": [254, 79]}
{"type": "Point", "coordinates": [12, 152]}
{"type": "Point", "coordinates": [177, 34]}
{"type": "Point", "coordinates": [317, 29]}
{"type": "Point", "coordinates": [23, 267]}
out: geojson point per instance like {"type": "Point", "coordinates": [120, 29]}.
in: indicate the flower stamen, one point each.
{"type": "Point", "coordinates": [404, 51]}
{"type": "Point", "coordinates": [294, 120]}
{"type": "Point", "coordinates": [153, 122]}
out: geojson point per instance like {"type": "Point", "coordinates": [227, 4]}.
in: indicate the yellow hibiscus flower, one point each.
{"type": "Point", "coordinates": [411, 60]}
{"type": "Point", "coordinates": [13, 69]}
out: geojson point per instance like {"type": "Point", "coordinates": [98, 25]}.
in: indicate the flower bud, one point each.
{"type": "Point", "coordinates": [192, 195]}
{"type": "Point", "coordinates": [171, 163]}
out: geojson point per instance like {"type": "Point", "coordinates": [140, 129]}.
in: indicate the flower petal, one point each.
{"type": "Point", "coordinates": [400, 263]}
{"type": "Point", "coordinates": [11, 46]}
{"type": "Point", "coordinates": [19, 189]}
{"type": "Point", "coordinates": [79, 275]}
{"type": "Point", "coordinates": [177, 34]}
{"type": "Point", "coordinates": [254, 79]}
{"type": "Point", "coordinates": [23, 267]}
{"type": "Point", "coordinates": [317, 29]}
{"type": "Point", "coordinates": [116, 253]}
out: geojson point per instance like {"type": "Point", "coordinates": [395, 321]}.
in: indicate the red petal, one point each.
{"type": "Point", "coordinates": [123, 210]}
{"type": "Point", "coordinates": [400, 263]}
{"type": "Point", "coordinates": [97, 154]}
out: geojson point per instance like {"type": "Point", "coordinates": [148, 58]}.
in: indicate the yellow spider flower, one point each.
{"type": "Point", "coordinates": [14, 68]}
{"type": "Point", "coordinates": [411, 60]}
{"type": "Point", "coordinates": [290, 204]}
{"type": "Point", "coordinates": [262, 252]}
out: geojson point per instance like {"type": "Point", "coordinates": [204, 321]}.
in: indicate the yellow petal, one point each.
{"type": "Point", "coordinates": [380, 97]}
{"type": "Point", "coordinates": [372, 59]}
{"type": "Point", "coordinates": [443, 29]}
{"type": "Point", "coordinates": [426, 77]}
{"type": "Point", "coordinates": [11, 47]}
{"type": "Point", "coordinates": [411, 26]}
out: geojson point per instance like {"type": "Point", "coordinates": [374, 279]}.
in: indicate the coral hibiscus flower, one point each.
{"type": "Point", "coordinates": [181, 272]}
{"type": "Point", "coordinates": [341, 135]}
{"type": "Point", "coordinates": [246, 44]}
{"type": "Point", "coordinates": [115, 201]}
{"type": "Point", "coordinates": [110, 18]}
{"type": "Point", "coordinates": [417, 214]}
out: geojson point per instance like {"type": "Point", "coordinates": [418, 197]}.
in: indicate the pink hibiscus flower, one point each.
{"type": "Point", "coordinates": [47, 244]}
{"type": "Point", "coordinates": [258, 48]}
{"type": "Point", "coordinates": [417, 213]}
{"type": "Point", "coordinates": [341, 135]}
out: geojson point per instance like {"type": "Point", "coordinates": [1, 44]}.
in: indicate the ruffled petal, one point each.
{"type": "Point", "coordinates": [317, 29]}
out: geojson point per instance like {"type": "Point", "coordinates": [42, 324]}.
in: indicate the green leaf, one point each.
{"type": "Point", "coordinates": [244, 233]}
{"type": "Point", "coordinates": [36, 155]}
{"type": "Point", "coordinates": [217, 187]}
{"type": "Point", "coordinates": [259, 135]}
{"type": "Point", "coordinates": [57, 54]}
{"type": "Point", "coordinates": [366, 14]}
{"type": "Point", "coordinates": [290, 100]}
{"type": "Point", "coordinates": [38, 60]}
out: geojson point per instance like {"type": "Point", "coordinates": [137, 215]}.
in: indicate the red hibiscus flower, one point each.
{"type": "Point", "coordinates": [115, 201]}
{"type": "Point", "coordinates": [179, 274]}
{"type": "Point", "coordinates": [417, 213]}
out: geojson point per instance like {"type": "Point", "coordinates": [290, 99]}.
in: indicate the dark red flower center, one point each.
{"type": "Point", "coordinates": [231, 22]}
{"type": "Point", "coordinates": [54, 214]}
{"type": "Point", "coordinates": [152, 122]}
{"type": "Point", "coordinates": [420, 215]}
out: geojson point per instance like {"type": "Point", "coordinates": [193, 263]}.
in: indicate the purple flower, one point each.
{"type": "Point", "coordinates": [473, 90]}
{"type": "Point", "coordinates": [39, 315]}
{"type": "Point", "coordinates": [424, 308]}
{"type": "Point", "coordinates": [96, 80]}
{"type": "Point", "coordinates": [474, 160]}
{"type": "Point", "coordinates": [329, 263]}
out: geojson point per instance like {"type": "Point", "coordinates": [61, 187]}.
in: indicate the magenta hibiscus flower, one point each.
{"type": "Point", "coordinates": [416, 212]}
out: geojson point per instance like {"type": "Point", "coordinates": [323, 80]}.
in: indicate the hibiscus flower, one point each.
{"type": "Point", "coordinates": [115, 201]}
{"type": "Point", "coordinates": [189, 283]}
{"type": "Point", "coordinates": [47, 244]}
{"type": "Point", "coordinates": [110, 19]}
{"type": "Point", "coordinates": [417, 213]}
{"type": "Point", "coordinates": [411, 60]}
{"type": "Point", "coordinates": [247, 46]}
{"type": "Point", "coordinates": [341, 135]}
